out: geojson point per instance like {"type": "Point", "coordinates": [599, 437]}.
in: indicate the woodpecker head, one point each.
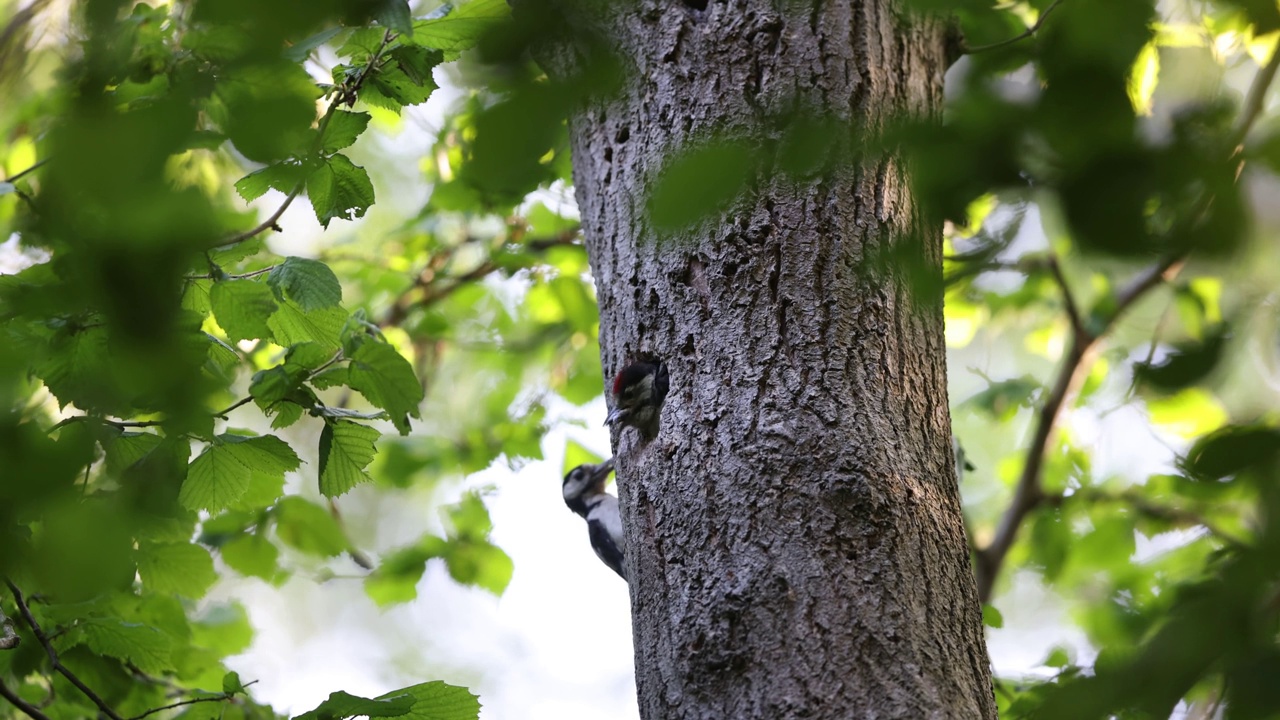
{"type": "Point", "coordinates": [638, 391]}
{"type": "Point", "coordinates": [583, 482]}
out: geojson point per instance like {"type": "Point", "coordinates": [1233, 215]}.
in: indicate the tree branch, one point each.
{"type": "Point", "coordinates": [1154, 510]}
{"type": "Point", "coordinates": [18, 175]}
{"type": "Point", "coordinates": [1028, 493]}
{"type": "Point", "coordinates": [1020, 36]}
{"type": "Point", "coordinates": [269, 223]}
{"type": "Point", "coordinates": [221, 697]}
{"type": "Point", "coordinates": [31, 710]}
{"type": "Point", "coordinates": [44, 641]}
{"type": "Point", "coordinates": [1255, 98]}
{"type": "Point", "coordinates": [1068, 298]}
{"type": "Point", "coordinates": [431, 293]}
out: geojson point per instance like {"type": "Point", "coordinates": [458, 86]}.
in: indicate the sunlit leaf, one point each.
{"type": "Point", "coordinates": [179, 568]}
{"type": "Point", "coordinates": [339, 189]}
{"type": "Point", "coordinates": [309, 528]}
{"type": "Point", "coordinates": [242, 308]}
{"type": "Point", "coordinates": [309, 283]}
{"type": "Point", "coordinates": [346, 449]}
{"type": "Point", "coordinates": [386, 379]}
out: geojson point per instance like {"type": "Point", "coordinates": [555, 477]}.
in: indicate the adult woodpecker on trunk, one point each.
{"type": "Point", "coordinates": [584, 494]}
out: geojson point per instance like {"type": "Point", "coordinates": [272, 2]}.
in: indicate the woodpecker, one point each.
{"type": "Point", "coordinates": [638, 392]}
{"type": "Point", "coordinates": [584, 494]}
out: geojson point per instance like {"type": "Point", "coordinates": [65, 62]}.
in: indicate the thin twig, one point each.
{"type": "Point", "coordinates": [1020, 36]}
{"type": "Point", "coordinates": [31, 710]}
{"type": "Point", "coordinates": [1255, 98]}
{"type": "Point", "coordinates": [1154, 510]}
{"type": "Point", "coordinates": [1068, 298]}
{"type": "Point", "coordinates": [44, 640]}
{"type": "Point", "coordinates": [16, 176]}
{"type": "Point", "coordinates": [269, 224]}
{"type": "Point", "coordinates": [239, 403]}
{"type": "Point", "coordinates": [220, 697]}
{"type": "Point", "coordinates": [241, 276]}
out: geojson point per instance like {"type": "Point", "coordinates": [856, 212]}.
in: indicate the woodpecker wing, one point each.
{"type": "Point", "coordinates": [604, 525]}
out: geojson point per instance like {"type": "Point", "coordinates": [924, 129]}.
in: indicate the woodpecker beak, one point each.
{"type": "Point", "coordinates": [603, 470]}
{"type": "Point", "coordinates": [616, 415]}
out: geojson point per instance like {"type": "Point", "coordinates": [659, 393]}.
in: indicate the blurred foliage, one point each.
{"type": "Point", "coordinates": [185, 396]}
{"type": "Point", "coordinates": [179, 400]}
{"type": "Point", "coordinates": [1114, 370]}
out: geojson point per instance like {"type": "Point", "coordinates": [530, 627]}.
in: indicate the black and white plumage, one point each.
{"type": "Point", "coordinates": [584, 494]}
{"type": "Point", "coordinates": [638, 391]}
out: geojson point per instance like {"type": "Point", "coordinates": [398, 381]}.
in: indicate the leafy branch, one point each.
{"type": "Point", "coordinates": [1029, 492]}
{"type": "Point", "coordinates": [54, 661]}
{"type": "Point", "coordinates": [31, 710]}
{"type": "Point", "coordinates": [344, 94]}
{"type": "Point", "coordinates": [1146, 507]}
{"type": "Point", "coordinates": [1020, 36]}
{"type": "Point", "coordinates": [219, 697]}
{"type": "Point", "coordinates": [427, 287]}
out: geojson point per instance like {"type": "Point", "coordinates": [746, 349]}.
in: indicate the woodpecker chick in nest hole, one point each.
{"type": "Point", "coordinates": [638, 391]}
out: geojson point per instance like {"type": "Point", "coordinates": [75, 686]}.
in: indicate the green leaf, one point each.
{"type": "Point", "coordinates": [1003, 398]}
{"type": "Point", "coordinates": [286, 415]}
{"type": "Point", "coordinates": [991, 617]}
{"type": "Point", "coordinates": [142, 645]}
{"type": "Point", "coordinates": [221, 474]}
{"type": "Point", "coordinates": [223, 628]}
{"type": "Point", "coordinates": [343, 129]}
{"type": "Point", "coordinates": [386, 379]}
{"type": "Point", "coordinates": [1232, 450]}
{"type": "Point", "coordinates": [439, 701]}
{"type": "Point", "coordinates": [310, 283]}
{"type": "Point", "coordinates": [267, 109]}
{"type": "Point", "coordinates": [299, 51]}
{"type": "Point", "coordinates": [73, 369]}
{"type": "Point", "coordinates": [342, 705]}
{"type": "Point", "coordinates": [396, 579]}
{"type": "Point", "coordinates": [461, 28]}
{"type": "Point", "coordinates": [1187, 364]}
{"type": "Point", "coordinates": [361, 44]}
{"type": "Point", "coordinates": [480, 563]}
{"type": "Point", "coordinates": [346, 449]}
{"type": "Point", "coordinates": [417, 63]}
{"type": "Point", "coordinates": [251, 556]}
{"type": "Point", "coordinates": [178, 568]}
{"type": "Point", "coordinates": [392, 88]}
{"type": "Point", "coordinates": [291, 325]}
{"type": "Point", "coordinates": [284, 176]}
{"type": "Point", "coordinates": [339, 189]}
{"type": "Point", "coordinates": [128, 448]}
{"type": "Point", "coordinates": [308, 527]}
{"type": "Point", "coordinates": [700, 183]}
{"type": "Point", "coordinates": [242, 308]}
{"type": "Point", "coordinates": [394, 15]}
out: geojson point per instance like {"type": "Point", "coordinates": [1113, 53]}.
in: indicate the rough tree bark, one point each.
{"type": "Point", "coordinates": [794, 533]}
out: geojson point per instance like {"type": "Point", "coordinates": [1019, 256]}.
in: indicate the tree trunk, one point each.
{"type": "Point", "coordinates": [794, 533]}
